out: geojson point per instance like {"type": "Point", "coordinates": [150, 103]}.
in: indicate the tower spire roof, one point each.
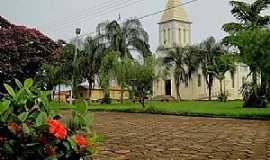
{"type": "Point", "coordinates": [174, 11]}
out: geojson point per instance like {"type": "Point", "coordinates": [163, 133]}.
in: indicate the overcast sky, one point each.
{"type": "Point", "coordinates": [59, 18]}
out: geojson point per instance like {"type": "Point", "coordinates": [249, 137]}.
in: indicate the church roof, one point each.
{"type": "Point", "coordinates": [174, 11]}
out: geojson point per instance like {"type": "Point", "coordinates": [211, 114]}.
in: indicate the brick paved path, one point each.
{"type": "Point", "coordinates": [161, 137]}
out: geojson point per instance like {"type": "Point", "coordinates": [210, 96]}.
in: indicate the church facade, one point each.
{"type": "Point", "coordinates": [175, 30]}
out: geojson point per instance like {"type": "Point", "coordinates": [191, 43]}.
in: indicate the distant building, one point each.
{"type": "Point", "coordinates": [62, 92]}
{"type": "Point", "coordinates": [175, 29]}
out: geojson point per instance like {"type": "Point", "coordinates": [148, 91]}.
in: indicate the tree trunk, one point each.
{"type": "Point", "coordinates": [90, 87]}
{"type": "Point", "coordinates": [142, 102]}
{"type": "Point", "coordinates": [122, 96]}
{"type": "Point", "coordinates": [263, 84]}
{"type": "Point", "coordinates": [59, 93]}
{"type": "Point", "coordinates": [220, 85]}
{"type": "Point", "coordinates": [178, 94]}
{"type": "Point", "coordinates": [254, 78]}
{"type": "Point", "coordinates": [268, 90]}
{"type": "Point", "coordinates": [210, 84]}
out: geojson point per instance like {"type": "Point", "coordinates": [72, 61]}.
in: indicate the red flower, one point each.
{"type": "Point", "coordinates": [15, 127]}
{"type": "Point", "coordinates": [80, 140]}
{"type": "Point", "coordinates": [57, 129]}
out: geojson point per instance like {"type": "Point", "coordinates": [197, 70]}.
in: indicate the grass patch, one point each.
{"type": "Point", "coordinates": [231, 109]}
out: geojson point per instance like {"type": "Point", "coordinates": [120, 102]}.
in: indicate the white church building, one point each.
{"type": "Point", "coordinates": [175, 28]}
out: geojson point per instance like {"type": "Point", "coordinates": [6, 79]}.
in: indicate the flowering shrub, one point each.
{"type": "Point", "coordinates": [29, 129]}
{"type": "Point", "coordinates": [23, 51]}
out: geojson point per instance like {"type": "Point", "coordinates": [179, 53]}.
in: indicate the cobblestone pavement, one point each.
{"type": "Point", "coordinates": [161, 137]}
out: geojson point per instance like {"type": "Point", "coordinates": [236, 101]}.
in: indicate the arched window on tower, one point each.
{"type": "Point", "coordinates": [185, 36]}
{"type": "Point", "coordinates": [179, 31]}
{"type": "Point", "coordinates": [189, 35]}
{"type": "Point", "coordinates": [187, 32]}
{"type": "Point", "coordinates": [164, 36]}
{"type": "Point", "coordinates": [169, 36]}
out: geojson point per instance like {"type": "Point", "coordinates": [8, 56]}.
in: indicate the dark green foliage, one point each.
{"type": "Point", "coordinates": [255, 52]}
{"type": "Point", "coordinates": [253, 96]}
{"type": "Point", "coordinates": [141, 79]}
{"type": "Point", "coordinates": [251, 37]}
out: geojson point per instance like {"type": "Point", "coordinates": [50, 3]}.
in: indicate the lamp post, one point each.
{"type": "Point", "coordinates": [77, 32]}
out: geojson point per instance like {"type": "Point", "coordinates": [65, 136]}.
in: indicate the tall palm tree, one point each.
{"type": "Point", "coordinates": [208, 51]}
{"type": "Point", "coordinates": [222, 64]}
{"type": "Point", "coordinates": [249, 17]}
{"type": "Point", "coordinates": [182, 62]}
{"type": "Point", "coordinates": [90, 59]}
{"type": "Point", "coordinates": [126, 38]}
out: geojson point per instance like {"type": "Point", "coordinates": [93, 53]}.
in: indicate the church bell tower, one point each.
{"type": "Point", "coordinates": [174, 26]}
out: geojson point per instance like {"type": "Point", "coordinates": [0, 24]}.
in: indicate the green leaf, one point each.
{"type": "Point", "coordinates": [72, 144]}
{"type": "Point", "coordinates": [89, 118]}
{"type": "Point", "coordinates": [23, 116]}
{"type": "Point", "coordinates": [41, 119]}
{"type": "Point", "coordinates": [19, 84]}
{"type": "Point", "coordinates": [10, 91]}
{"type": "Point", "coordinates": [43, 128]}
{"type": "Point", "coordinates": [76, 120]}
{"type": "Point", "coordinates": [82, 107]}
{"type": "Point", "coordinates": [4, 106]}
{"type": "Point", "coordinates": [25, 129]}
{"type": "Point", "coordinates": [28, 83]}
{"type": "Point", "coordinates": [7, 148]}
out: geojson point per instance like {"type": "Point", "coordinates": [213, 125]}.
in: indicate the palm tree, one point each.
{"type": "Point", "coordinates": [89, 61]}
{"type": "Point", "coordinates": [125, 38]}
{"type": "Point", "coordinates": [222, 64]}
{"type": "Point", "coordinates": [249, 17]}
{"type": "Point", "coordinates": [182, 62]}
{"type": "Point", "coordinates": [208, 50]}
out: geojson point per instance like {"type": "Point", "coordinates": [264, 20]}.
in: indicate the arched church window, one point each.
{"type": "Point", "coordinates": [179, 36]}
{"type": "Point", "coordinates": [185, 38]}
{"type": "Point", "coordinates": [187, 32]}
{"type": "Point", "coordinates": [169, 35]}
{"type": "Point", "coordinates": [164, 36]}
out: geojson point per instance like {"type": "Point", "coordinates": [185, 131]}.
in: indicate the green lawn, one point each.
{"type": "Point", "coordinates": [186, 108]}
